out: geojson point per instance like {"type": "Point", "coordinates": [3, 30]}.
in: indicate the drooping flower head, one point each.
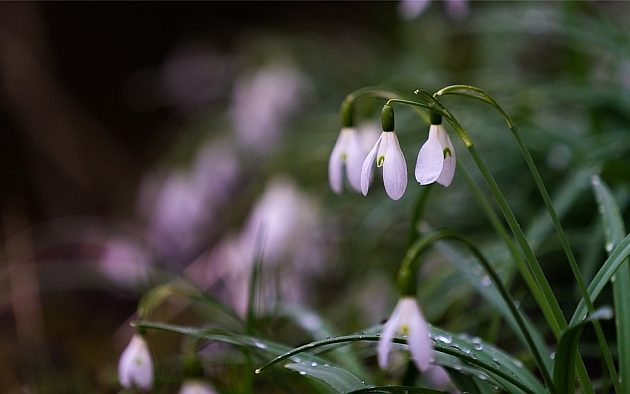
{"type": "Point", "coordinates": [436, 159]}
{"type": "Point", "coordinates": [135, 368]}
{"type": "Point", "coordinates": [387, 154]}
{"type": "Point", "coordinates": [348, 152]}
{"type": "Point", "coordinates": [407, 319]}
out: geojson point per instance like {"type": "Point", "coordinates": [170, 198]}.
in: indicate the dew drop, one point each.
{"type": "Point", "coordinates": [313, 364]}
{"type": "Point", "coordinates": [260, 345]}
{"type": "Point", "coordinates": [609, 246]}
{"type": "Point", "coordinates": [477, 346]}
{"type": "Point", "coordinates": [486, 281]}
{"type": "Point", "coordinates": [444, 339]}
{"type": "Point", "coordinates": [518, 363]}
{"type": "Point", "coordinates": [257, 371]}
{"type": "Point", "coordinates": [302, 373]}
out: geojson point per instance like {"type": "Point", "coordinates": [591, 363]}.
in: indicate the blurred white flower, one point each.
{"type": "Point", "coordinates": [347, 152]}
{"type": "Point", "coordinates": [135, 368]}
{"type": "Point", "coordinates": [368, 133]}
{"type": "Point", "coordinates": [284, 224]}
{"type": "Point", "coordinates": [387, 154]}
{"type": "Point", "coordinates": [438, 377]}
{"type": "Point", "coordinates": [411, 9]}
{"type": "Point", "coordinates": [125, 262]}
{"type": "Point", "coordinates": [181, 206]}
{"type": "Point", "coordinates": [196, 386]}
{"type": "Point", "coordinates": [262, 103]}
{"type": "Point", "coordinates": [436, 159]}
{"type": "Point", "coordinates": [407, 319]}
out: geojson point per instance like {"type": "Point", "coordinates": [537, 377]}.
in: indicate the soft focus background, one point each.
{"type": "Point", "coordinates": [146, 142]}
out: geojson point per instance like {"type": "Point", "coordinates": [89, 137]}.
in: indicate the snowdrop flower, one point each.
{"type": "Point", "coordinates": [411, 9]}
{"type": "Point", "coordinates": [436, 159]}
{"type": "Point", "coordinates": [347, 151]}
{"type": "Point", "coordinates": [196, 386]}
{"type": "Point", "coordinates": [407, 320]}
{"type": "Point", "coordinates": [388, 155]}
{"type": "Point", "coordinates": [135, 367]}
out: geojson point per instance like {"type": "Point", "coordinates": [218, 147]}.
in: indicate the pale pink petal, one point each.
{"type": "Point", "coordinates": [354, 161]}
{"type": "Point", "coordinates": [385, 343]}
{"type": "Point", "coordinates": [448, 168]}
{"type": "Point", "coordinates": [335, 164]}
{"type": "Point", "coordinates": [430, 158]}
{"type": "Point", "coordinates": [368, 166]}
{"type": "Point", "coordinates": [394, 168]}
{"type": "Point", "coordinates": [419, 342]}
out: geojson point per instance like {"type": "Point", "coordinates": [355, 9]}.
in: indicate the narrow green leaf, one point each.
{"type": "Point", "coordinates": [397, 390]}
{"type": "Point", "coordinates": [336, 378]}
{"type": "Point", "coordinates": [614, 233]}
{"type": "Point", "coordinates": [342, 378]}
{"type": "Point", "coordinates": [617, 257]}
{"type": "Point", "coordinates": [489, 360]}
{"type": "Point", "coordinates": [566, 355]}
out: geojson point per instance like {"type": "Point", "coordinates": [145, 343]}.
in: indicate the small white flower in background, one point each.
{"type": "Point", "coordinates": [411, 9]}
{"type": "Point", "coordinates": [135, 368]}
{"type": "Point", "coordinates": [262, 103]}
{"type": "Point", "coordinates": [387, 154]}
{"type": "Point", "coordinates": [368, 133]}
{"type": "Point", "coordinates": [124, 261]}
{"type": "Point", "coordinates": [196, 386]}
{"type": "Point", "coordinates": [407, 320]}
{"type": "Point", "coordinates": [436, 159]}
{"type": "Point", "coordinates": [348, 152]}
{"type": "Point", "coordinates": [288, 223]}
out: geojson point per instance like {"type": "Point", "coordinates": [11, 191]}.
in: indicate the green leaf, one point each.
{"type": "Point", "coordinates": [397, 390]}
{"type": "Point", "coordinates": [615, 260]}
{"type": "Point", "coordinates": [614, 233]}
{"type": "Point", "coordinates": [485, 358]}
{"type": "Point", "coordinates": [336, 378]}
{"type": "Point", "coordinates": [306, 363]}
{"type": "Point", "coordinates": [477, 278]}
{"type": "Point", "coordinates": [566, 355]}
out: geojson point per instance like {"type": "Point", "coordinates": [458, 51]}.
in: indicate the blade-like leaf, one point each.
{"type": "Point", "coordinates": [614, 233]}
{"type": "Point", "coordinates": [617, 257]}
{"type": "Point", "coordinates": [564, 371]}
{"type": "Point", "coordinates": [397, 390]}
{"type": "Point", "coordinates": [488, 359]}
{"type": "Point", "coordinates": [303, 363]}
{"type": "Point", "coordinates": [336, 378]}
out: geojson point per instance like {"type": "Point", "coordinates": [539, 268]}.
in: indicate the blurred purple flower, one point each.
{"type": "Point", "coordinates": [262, 103]}
{"type": "Point", "coordinates": [284, 225]}
{"type": "Point", "coordinates": [181, 206]}
{"type": "Point", "coordinates": [125, 262]}
{"type": "Point", "coordinates": [411, 9]}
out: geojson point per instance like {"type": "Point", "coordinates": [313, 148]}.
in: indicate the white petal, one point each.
{"type": "Point", "coordinates": [196, 387]}
{"type": "Point", "coordinates": [394, 168]}
{"type": "Point", "coordinates": [385, 343]}
{"type": "Point", "coordinates": [335, 163]}
{"type": "Point", "coordinates": [354, 161]}
{"type": "Point", "coordinates": [135, 367]}
{"type": "Point", "coordinates": [368, 166]}
{"type": "Point", "coordinates": [430, 158]}
{"type": "Point", "coordinates": [419, 342]}
{"type": "Point", "coordinates": [448, 169]}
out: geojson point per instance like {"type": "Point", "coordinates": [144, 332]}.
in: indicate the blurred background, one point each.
{"type": "Point", "coordinates": [147, 142]}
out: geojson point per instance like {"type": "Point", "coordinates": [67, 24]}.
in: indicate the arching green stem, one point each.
{"type": "Point", "coordinates": [407, 285]}
{"type": "Point", "coordinates": [479, 94]}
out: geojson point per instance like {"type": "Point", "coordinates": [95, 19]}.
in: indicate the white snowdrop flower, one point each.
{"type": "Point", "coordinates": [387, 154]}
{"type": "Point", "coordinates": [348, 152]}
{"type": "Point", "coordinates": [196, 386]}
{"type": "Point", "coordinates": [135, 368]}
{"type": "Point", "coordinates": [407, 320]}
{"type": "Point", "coordinates": [436, 159]}
{"type": "Point", "coordinates": [411, 9]}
